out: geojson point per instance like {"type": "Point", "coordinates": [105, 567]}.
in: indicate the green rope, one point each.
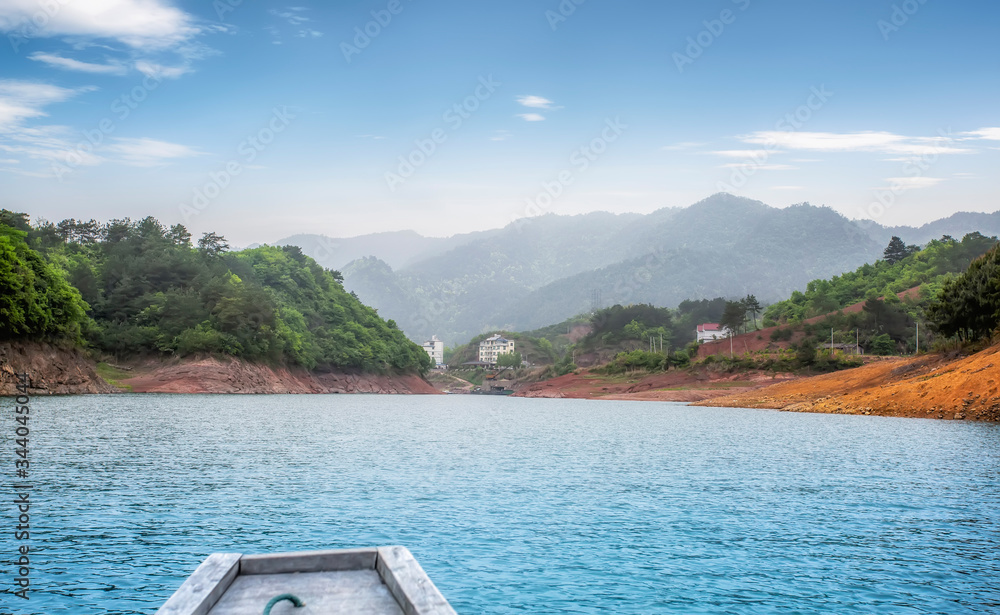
{"type": "Point", "coordinates": [289, 597]}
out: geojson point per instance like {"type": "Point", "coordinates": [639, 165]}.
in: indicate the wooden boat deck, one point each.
{"type": "Point", "coordinates": [372, 581]}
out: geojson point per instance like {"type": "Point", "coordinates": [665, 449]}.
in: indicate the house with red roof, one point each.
{"type": "Point", "coordinates": [710, 331]}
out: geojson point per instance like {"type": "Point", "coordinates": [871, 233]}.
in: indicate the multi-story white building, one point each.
{"type": "Point", "coordinates": [435, 348]}
{"type": "Point", "coordinates": [494, 346]}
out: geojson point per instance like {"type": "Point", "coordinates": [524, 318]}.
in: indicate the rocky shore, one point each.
{"type": "Point", "coordinates": [56, 370]}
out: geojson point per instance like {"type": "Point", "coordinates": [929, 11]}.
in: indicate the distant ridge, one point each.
{"type": "Point", "coordinates": [541, 270]}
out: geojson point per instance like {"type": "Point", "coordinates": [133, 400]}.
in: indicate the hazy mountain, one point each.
{"type": "Point", "coordinates": [398, 248]}
{"type": "Point", "coordinates": [723, 246]}
{"type": "Point", "coordinates": [542, 270]}
{"type": "Point", "coordinates": [957, 225]}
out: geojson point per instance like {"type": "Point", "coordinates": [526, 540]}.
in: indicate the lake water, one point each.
{"type": "Point", "coordinates": [516, 505]}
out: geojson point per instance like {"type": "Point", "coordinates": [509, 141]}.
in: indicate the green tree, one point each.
{"type": "Point", "coordinates": [969, 305]}
{"type": "Point", "coordinates": [806, 353]}
{"type": "Point", "coordinates": [213, 244]}
{"type": "Point", "coordinates": [881, 345]}
{"type": "Point", "coordinates": [509, 359]}
{"type": "Point", "coordinates": [633, 330]}
{"type": "Point", "coordinates": [733, 316]}
{"type": "Point", "coordinates": [895, 251]}
{"type": "Point", "coordinates": [753, 307]}
{"type": "Point", "coordinates": [35, 300]}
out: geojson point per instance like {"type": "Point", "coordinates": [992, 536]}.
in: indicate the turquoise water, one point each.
{"type": "Point", "coordinates": [517, 505]}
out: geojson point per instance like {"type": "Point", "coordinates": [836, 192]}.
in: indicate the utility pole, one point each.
{"type": "Point", "coordinates": [661, 343]}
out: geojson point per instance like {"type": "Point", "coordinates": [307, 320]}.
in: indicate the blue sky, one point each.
{"type": "Point", "coordinates": [264, 119]}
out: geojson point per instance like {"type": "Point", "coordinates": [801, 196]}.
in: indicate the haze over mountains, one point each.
{"type": "Point", "coordinates": [539, 271]}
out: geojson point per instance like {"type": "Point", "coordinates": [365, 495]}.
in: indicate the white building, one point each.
{"type": "Point", "coordinates": [710, 331]}
{"type": "Point", "coordinates": [435, 348]}
{"type": "Point", "coordinates": [494, 346]}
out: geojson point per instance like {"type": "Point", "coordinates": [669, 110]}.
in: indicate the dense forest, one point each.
{"type": "Point", "coordinates": [902, 268]}
{"type": "Point", "coordinates": [137, 288]}
{"type": "Point", "coordinates": [968, 306]}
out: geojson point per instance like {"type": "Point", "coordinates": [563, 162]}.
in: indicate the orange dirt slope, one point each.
{"type": "Point", "coordinates": [929, 386]}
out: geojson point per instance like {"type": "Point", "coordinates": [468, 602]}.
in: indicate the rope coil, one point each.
{"type": "Point", "coordinates": [289, 597]}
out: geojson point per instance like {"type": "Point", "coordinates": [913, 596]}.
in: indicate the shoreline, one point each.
{"type": "Point", "coordinates": [938, 386]}
{"type": "Point", "coordinates": [60, 370]}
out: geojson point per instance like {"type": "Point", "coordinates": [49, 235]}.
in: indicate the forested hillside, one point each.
{"type": "Point", "coordinates": [906, 268]}
{"type": "Point", "coordinates": [133, 289]}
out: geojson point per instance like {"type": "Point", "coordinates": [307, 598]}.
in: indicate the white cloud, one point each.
{"type": "Point", "coordinates": [989, 134]}
{"type": "Point", "coordinates": [142, 24]}
{"type": "Point", "coordinates": [59, 147]}
{"type": "Point", "coordinates": [899, 184]}
{"type": "Point", "coordinates": [295, 16]}
{"type": "Point", "coordinates": [500, 135]}
{"type": "Point", "coordinates": [148, 152]}
{"type": "Point", "coordinates": [20, 100]}
{"type": "Point", "coordinates": [161, 72]}
{"type": "Point", "coordinates": [870, 141]}
{"type": "Point", "coordinates": [531, 117]}
{"type": "Point", "coordinates": [535, 102]}
{"type": "Point", "coordinates": [787, 188]}
{"type": "Point", "coordinates": [681, 146]}
{"type": "Point", "coordinates": [49, 144]}
{"type": "Point", "coordinates": [743, 153]}
{"type": "Point", "coordinates": [71, 64]}
{"type": "Point", "coordinates": [759, 167]}
{"type": "Point", "coordinates": [292, 15]}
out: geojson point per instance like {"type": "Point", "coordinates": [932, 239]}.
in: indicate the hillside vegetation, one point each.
{"type": "Point", "coordinates": [948, 303]}
{"type": "Point", "coordinates": [132, 289]}
{"type": "Point", "coordinates": [928, 268]}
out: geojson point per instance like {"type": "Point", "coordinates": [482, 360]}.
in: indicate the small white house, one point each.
{"type": "Point", "coordinates": [710, 331]}
{"type": "Point", "coordinates": [435, 348]}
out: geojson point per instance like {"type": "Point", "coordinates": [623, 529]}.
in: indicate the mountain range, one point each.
{"type": "Point", "coordinates": [538, 271]}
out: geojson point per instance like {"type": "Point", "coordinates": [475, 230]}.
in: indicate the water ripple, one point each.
{"type": "Point", "coordinates": [520, 506]}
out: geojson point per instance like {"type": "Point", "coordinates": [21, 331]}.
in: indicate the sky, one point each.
{"type": "Point", "coordinates": [259, 120]}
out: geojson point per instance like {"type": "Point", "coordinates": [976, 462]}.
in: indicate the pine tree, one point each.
{"type": "Point", "coordinates": [895, 251]}
{"type": "Point", "coordinates": [753, 307]}
{"type": "Point", "coordinates": [734, 316]}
